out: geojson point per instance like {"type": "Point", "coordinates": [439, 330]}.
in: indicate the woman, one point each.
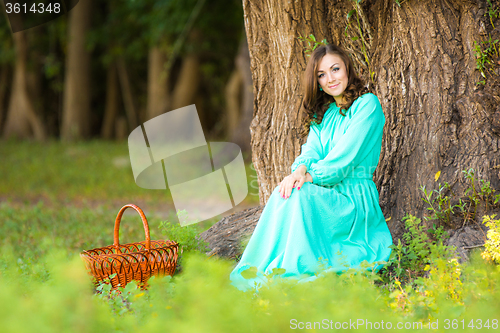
{"type": "Point", "coordinates": [326, 213]}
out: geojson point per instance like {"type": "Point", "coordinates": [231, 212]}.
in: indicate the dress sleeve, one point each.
{"type": "Point", "coordinates": [311, 151]}
{"type": "Point", "coordinates": [362, 134]}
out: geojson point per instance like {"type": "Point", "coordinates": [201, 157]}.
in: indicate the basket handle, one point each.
{"type": "Point", "coordinates": [116, 242]}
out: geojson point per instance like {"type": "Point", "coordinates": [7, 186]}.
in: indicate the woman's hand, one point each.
{"type": "Point", "coordinates": [296, 179]}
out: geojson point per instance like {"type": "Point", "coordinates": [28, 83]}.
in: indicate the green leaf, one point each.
{"type": "Point", "coordinates": [249, 273]}
{"type": "Point", "coordinates": [278, 271]}
{"type": "Point", "coordinates": [351, 13]}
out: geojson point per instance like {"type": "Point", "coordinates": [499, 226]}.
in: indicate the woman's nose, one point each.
{"type": "Point", "coordinates": [329, 77]}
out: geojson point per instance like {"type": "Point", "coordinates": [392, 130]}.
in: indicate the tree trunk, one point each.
{"type": "Point", "coordinates": [22, 121]}
{"type": "Point", "coordinates": [423, 59]}
{"type": "Point", "coordinates": [77, 96]}
{"type": "Point", "coordinates": [233, 89]}
{"type": "Point", "coordinates": [127, 94]}
{"type": "Point", "coordinates": [438, 119]}
{"type": "Point", "coordinates": [241, 136]}
{"type": "Point", "coordinates": [424, 73]}
{"type": "Point", "coordinates": [34, 77]}
{"type": "Point", "coordinates": [158, 91]}
{"type": "Point", "coordinates": [121, 132]}
{"type": "Point", "coordinates": [4, 77]}
{"type": "Point", "coordinates": [112, 103]}
{"type": "Point", "coordinates": [188, 80]}
{"type": "Point", "coordinates": [186, 85]}
{"type": "Point", "coordinates": [226, 235]}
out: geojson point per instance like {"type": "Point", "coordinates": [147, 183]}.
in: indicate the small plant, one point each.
{"type": "Point", "coordinates": [119, 298]}
{"type": "Point", "coordinates": [187, 236]}
{"type": "Point", "coordinates": [440, 206]}
{"type": "Point", "coordinates": [492, 244]}
{"type": "Point", "coordinates": [492, 13]}
{"type": "Point", "coordinates": [312, 44]}
{"type": "Point", "coordinates": [425, 270]}
{"type": "Point", "coordinates": [399, 2]}
{"type": "Point", "coordinates": [481, 61]}
{"type": "Point", "coordinates": [409, 258]}
{"type": "Point", "coordinates": [251, 272]}
{"type": "Point", "coordinates": [474, 195]}
{"type": "Point", "coordinates": [417, 242]}
{"type": "Point", "coordinates": [484, 57]}
{"type": "Point", "coordinates": [361, 37]}
{"type": "Point", "coordinates": [487, 194]}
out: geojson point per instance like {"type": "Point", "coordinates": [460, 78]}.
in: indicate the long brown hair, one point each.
{"type": "Point", "coordinates": [316, 102]}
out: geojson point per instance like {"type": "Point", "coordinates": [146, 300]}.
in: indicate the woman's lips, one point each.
{"type": "Point", "coordinates": [334, 85]}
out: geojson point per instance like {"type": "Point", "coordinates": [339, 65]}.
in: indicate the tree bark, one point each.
{"type": "Point", "coordinates": [77, 96]}
{"type": "Point", "coordinates": [22, 121]}
{"type": "Point", "coordinates": [225, 237]}
{"type": "Point", "coordinates": [438, 118]}
{"type": "Point", "coordinates": [158, 90]}
{"type": "Point", "coordinates": [424, 73]}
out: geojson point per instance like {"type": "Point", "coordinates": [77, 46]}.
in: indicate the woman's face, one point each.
{"type": "Point", "coordinates": [332, 76]}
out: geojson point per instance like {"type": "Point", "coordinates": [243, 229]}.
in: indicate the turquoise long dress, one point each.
{"type": "Point", "coordinates": [335, 222]}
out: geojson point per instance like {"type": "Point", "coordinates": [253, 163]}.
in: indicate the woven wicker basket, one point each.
{"type": "Point", "coordinates": [134, 261]}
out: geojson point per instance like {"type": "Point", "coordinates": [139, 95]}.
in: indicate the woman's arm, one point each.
{"type": "Point", "coordinates": [362, 135]}
{"type": "Point", "coordinates": [311, 151]}
{"type": "Point", "coordinates": [308, 178]}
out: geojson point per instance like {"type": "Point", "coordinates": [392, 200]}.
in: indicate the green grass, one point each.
{"type": "Point", "coordinates": [94, 171]}
{"type": "Point", "coordinates": [59, 171]}
{"type": "Point", "coordinates": [46, 220]}
{"type": "Point", "coordinates": [33, 229]}
{"type": "Point", "coordinates": [201, 300]}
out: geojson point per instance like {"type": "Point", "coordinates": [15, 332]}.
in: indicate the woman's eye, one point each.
{"type": "Point", "coordinates": [321, 75]}
{"type": "Point", "coordinates": [335, 69]}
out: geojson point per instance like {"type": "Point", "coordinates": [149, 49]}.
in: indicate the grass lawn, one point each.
{"type": "Point", "coordinates": [58, 199]}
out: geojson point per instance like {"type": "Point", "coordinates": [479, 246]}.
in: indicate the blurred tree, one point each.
{"type": "Point", "coordinates": [239, 96]}
{"type": "Point", "coordinates": [144, 53]}
{"type": "Point", "coordinates": [22, 119]}
{"type": "Point", "coordinates": [77, 95]}
{"type": "Point", "coordinates": [186, 46]}
{"type": "Point", "coordinates": [158, 87]}
{"type": "Point", "coordinates": [7, 56]}
{"type": "Point", "coordinates": [112, 102]}
{"type": "Point", "coordinates": [4, 78]}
